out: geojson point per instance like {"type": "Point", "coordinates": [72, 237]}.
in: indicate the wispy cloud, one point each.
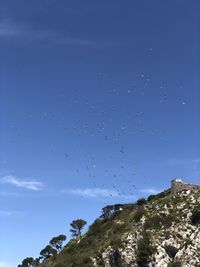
{"type": "Point", "coordinates": [96, 193]}
{"type": "Point", "coordinates": [109, 193]}
{"type": "Point", "coordinates": [24, 34]}
{"type": "Point", "coordinates": [4, 264]}
{"type": "Point", "coordinates": [91, 192]}
{"type": "Point", "coordinates": [9, 30]}
{"type": "Point", "coordinates": [26, 184]}
{"type": "Point", "coordinates": [8, 213]}
{"type": "Point", "coordinates": [181, 161]}
{"type": "Point", "coordinates": [150, 191]}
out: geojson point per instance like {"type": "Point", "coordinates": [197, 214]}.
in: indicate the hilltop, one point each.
{"type": "Point", "coordinates": [161, 231]}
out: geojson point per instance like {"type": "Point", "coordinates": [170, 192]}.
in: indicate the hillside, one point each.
{"type": "Point", "coordinates": [163, 230]}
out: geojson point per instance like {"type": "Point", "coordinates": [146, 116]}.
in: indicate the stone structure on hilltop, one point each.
{"type": "Point", "coordinates": [177, 185]}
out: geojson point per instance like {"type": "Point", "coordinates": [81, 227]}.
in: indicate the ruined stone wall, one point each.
{"type": "Point", "coordinates": [179, 186]}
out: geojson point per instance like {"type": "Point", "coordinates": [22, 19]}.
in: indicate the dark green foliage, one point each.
{"type": "Point", "coordinates": [151, 197]}
{"type": "Point", "coordinates": [27, 262]}
{"type": "Point", "coordinates": [159, 196]}
{"type": "Point", "coordinates": [48, 252]}
{"type": "Point", "coordinates": [76, 227]}
{"type": "Point", "coordinates": [56, 242]}
{"type": "Point", "coordinates": [154, 222]}
{"type": "Point", "coordinates": [174, 264]}
{"type": "Point", "coordinates": [138, 214]}
{"type": "Point", "coordinates": [195, 218]}
{"type": "Point", "coordinates": [58, 264]}
{"type": "Point", "coordinates": [109, 211]}
{"type": "Point", "coordinates": [163, 194]}
{"type": "Point", "coordinates": [158, 221]}
{"type": "Point", "coordinates": [145, 250]}
{"type": "Point", "coordinates": [141, 201]}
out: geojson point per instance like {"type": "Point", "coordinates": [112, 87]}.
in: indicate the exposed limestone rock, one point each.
{"type": "Point", "coordinates": [181, 237]}
{"type": "Point", "coordinates": [162, 231]}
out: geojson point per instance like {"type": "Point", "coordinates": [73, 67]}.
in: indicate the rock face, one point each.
{"type": "Point", "coordinates": [176, 241]}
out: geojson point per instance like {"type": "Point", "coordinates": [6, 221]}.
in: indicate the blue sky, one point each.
{"type": "Point", "coordinates": [99, 104]}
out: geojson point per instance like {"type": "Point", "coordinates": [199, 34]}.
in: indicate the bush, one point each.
{"type": "Point", "coordinates": [145, 250]}
{"type": "Point", "coordinates": [174, 264]}
{"type": "Point", "coordinates": [141, 201]}
{"type": "Point", "coordinates": [138, 214]}
{"type": "Point", "coordinates": [151, 197]}
{"type": "Point", "coordinates": [157, 221]}
{"type": "Point", "coordinates": [58, 264]}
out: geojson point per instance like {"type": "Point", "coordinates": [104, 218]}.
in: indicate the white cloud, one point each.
{"type": "Point", "coordinates": [25, 35]}
{"type": "Point", "coordinates": [92, 192]}
{"type": "Point", "coordinates": [27, 184]}
{"type": "Point", "coordinates": [108, 193]}
{"type": "Point", "coordinates": [96, 193]}
{"type": "Point", "coordinates": [150, 191]}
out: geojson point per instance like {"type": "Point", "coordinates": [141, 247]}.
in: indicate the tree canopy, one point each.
{"type": "Point", "coordinates": [27, 262]}
{"type": "Point", "coordinates": [76, 227]}
{"type": "Point", "coordinates": [48, 252]}
{"type": "Point", "coordinates": [56, 242]}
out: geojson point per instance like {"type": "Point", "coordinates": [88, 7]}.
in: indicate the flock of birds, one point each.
{"type": "Point", "coordinates": [103, 125]}
{"type": "Point", "coordinates": [113, 135]}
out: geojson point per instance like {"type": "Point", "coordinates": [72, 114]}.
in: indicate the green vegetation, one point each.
{"type": "Point", "coordinates": [28, 262]}
{"type": "Point", "coordinates": [159, 221]}
{"type": "Point", "coordinates": [174, 264]}
{"type": "Point", "coordinates": [56, 242]}
{"type": "Point", "coordinates": [138, 214]}
{"type": "Point", "coordinates": [159, 196]}
{"type": "Point", "coordinates": [111, 230]}
{"type": "Point", "coordinates": [145, 250]}
{"type": "Point", "coordinates": [76, 227]}
{"type": "Point", "coordinates": [110, 210]}
{"type": "Point", "coordinates": [141, 201]}
{"type": "Point", "coordinates": [48, 252]}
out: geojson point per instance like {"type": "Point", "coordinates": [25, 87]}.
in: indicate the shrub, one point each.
{"type": "Point", "coordinates": [157, 221]}
{"type": "Point", "coordinates": [151, 197]}
{"type": "Point", "coordinates": [141, 201]}
{"type": "Point", "coordinates": [58, 264]}
{"type": "Point", "coordinates": [138, 214]}
{"type": "Point", "coordinates": [145, 250]}
{"type": "Point", "coordinates": [174, 264]}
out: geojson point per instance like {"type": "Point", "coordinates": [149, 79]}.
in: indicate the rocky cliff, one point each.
{"type": "Point", "coordinates": [162, 231]}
